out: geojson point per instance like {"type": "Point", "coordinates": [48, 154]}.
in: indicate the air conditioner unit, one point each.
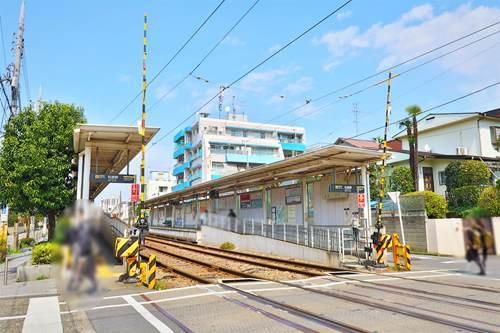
{"type": "Point", "coordinates": [461, 151]}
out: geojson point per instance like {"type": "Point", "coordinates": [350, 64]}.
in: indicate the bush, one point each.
{"type": "Point", "coordinates": [46, 253]}
{"type": "Point", "coordinates": [26, 242]}
{"type": "Point", "coordinates": [435, 204]}
{"type": "Point", "coordinates": [451, 175]}
{"type": "Point", "coordinates": [465, 197]}
{"type": "Point", "coordinates": [489, 200]}
{"type": "Point", "coordinates": [401, 180]}
{"type": "Point", "coordinates": [473, 173]}
{"type": "Point", "coordinates": [3, 249]}
{"type": "Point", "coordinates": [476, 212]}
{"type": "Point", "coordinates": [62, 225]}
{"type": "Point", "coordinates": [227, 246]}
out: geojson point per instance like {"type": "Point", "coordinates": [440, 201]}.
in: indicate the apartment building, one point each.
{"type": "Point", "coordinates": [212, 148]}
{"type": "Point", "coordinates": [159, 182]}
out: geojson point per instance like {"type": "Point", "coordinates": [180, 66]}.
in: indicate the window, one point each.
{"type": "Point", "coordinates": [442, 178]}
{"type": "Point", "coordinates": [163, 189]}
{"type": "Point", "coordinates": [495, 136]}
{"type": "Point", "coordinates": [217, 165]}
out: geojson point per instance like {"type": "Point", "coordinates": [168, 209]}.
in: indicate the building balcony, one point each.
{"type": "Point", "coordinates": [181, 186]}
{"type": "Point", "coordinates": [188, 145]}
{"type": "Point", "coordinates": [293, 146]}
{"type": "Point", "coordinates": [180, 135]}
{"type": "Point", "coordinates": [196, 175]}
{"type": "Point", "coordinates": [179, 169]}
{"type": "Point", "coordinates": [178, 152]}
{"type": "Point", "coordinates": [252, 158]}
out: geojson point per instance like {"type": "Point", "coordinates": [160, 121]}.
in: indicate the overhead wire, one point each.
{"type": "Point", "coordinates": [390, 68]}
{"type": "Point", "coordinates": [425, 82]}
{"type": "Point", "coordinates": [206, 55]}
{"type": "Point", "coordinates": [265, 60]}
{"type": "Point", "coordinates": [171, 59]}
{"type": "Point", "coordinates": [376, 84]}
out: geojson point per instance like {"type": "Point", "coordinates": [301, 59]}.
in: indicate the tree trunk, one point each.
{"type": "Point", "coordinates": [51, 216]}
{"type": "Point", "coordinates": [415, 157]}
{"type": "Point", "coordinates": [411, 147]}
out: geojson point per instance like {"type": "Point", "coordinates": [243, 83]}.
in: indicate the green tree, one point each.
{"type": "Point", "coordinates": [413, 111]}
{"type": "Point", "coordinates": [35, 160]}
{"type": "Point", "coordinates": [401, 180]}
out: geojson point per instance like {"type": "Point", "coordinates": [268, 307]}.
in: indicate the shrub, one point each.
{"type": "Point", "coordinates": [465, 197]}
{"type": "Point", "coordinates": [26, 242]}
{"type": "Point", "coordinates": [401, 180]}
{"type": "Point", "coordinates": [489, 200]}
{"type": "Point", "coordinates": [46, 253]}
{"type": "Point", "coordinates": [227, 246]}
{"type": "Point", "coordinates": [451, 175]}
{"type": "Point", "coordinates": [473, 172]}
{"type": "Point", "coordinates": [62, 225]}
{"type": "Point", "coordinates": [3, 249]}
{"type": "Point", "coordinates": [435, 204]}
{"type": "Point", "coordinates": [476, 212]}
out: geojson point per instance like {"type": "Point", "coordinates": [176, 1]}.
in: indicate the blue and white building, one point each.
{"type": "Point", "coordinates": [212, 148]}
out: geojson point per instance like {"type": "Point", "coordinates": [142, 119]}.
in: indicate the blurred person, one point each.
{"type": "Point", "coordinates": [473, 245]}
{"type": "Point", "coordinates": [232, 218]}
{"type": "Point", "coordinates": [486, 241]}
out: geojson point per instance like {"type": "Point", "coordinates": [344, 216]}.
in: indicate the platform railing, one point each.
{"type": "Point", "coordinates": [335, 238]}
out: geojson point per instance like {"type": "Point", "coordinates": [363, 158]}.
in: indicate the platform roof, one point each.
{"type": "Point", "coordinates": [113, 147]}
{"type": "Point", "coordinates": [318, 161]}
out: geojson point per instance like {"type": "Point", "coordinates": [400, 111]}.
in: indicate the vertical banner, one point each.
{"type": "Point", "coordinates": [134, 193]}
{"type": "Point", "coordinates": [361, 200]}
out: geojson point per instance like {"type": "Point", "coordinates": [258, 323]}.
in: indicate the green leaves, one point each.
{"type": "Point", "coordinates": [35, 158]}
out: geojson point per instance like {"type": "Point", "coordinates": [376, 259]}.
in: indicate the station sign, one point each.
{"type": "Point", "coordinates": [361, 200]}
{"type": "Point", "coordinates": [112, 178]}
{"type": "Point", "coordinates": [346, 188]}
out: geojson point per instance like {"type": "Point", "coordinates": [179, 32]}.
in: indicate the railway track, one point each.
{"type": "Point", "coordinates": [391, 306]}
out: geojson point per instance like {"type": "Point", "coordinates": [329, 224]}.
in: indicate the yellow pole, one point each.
{"type": "Point", "coordinates": [142, 220]}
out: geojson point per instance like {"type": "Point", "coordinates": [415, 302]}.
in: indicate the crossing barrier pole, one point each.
{"type": "Point", "coordinates": [407, 253]}
{"type": "Point", "coordinates": [395, 249]}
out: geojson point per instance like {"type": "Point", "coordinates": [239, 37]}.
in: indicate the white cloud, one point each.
{"type": "Point", "coordinates": [330, 65]}
{"type": "Point", "coordinates": [124, 78]}
{"type": "Point", "coordinates": [257, 81]}
{"type": "Point", "coordinates": [162, 92]}
{"type": "Point", "coordinates": [300, 86]}
{"type": "Point", "coordinates": [416, 31]}
{"type": "Point", "coordinates": [344, 14]}
{"type": "Point", "coordinates": [233, 41]}
{"type": "Point", "coordinates": [275, 48]}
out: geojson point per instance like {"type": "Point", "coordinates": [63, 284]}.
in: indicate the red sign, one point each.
{"type": "Point", "coordinates": [361, 200]}
{"type": "Point", "coordinates": [134, 194]}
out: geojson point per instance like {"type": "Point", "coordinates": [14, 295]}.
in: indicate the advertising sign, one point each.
{"type": "Point", "coordinates": [361, 200]}
{"type": "Point", "coordinates": [293, 196]}
{"type": "Point", "coordinates": [134, 193]}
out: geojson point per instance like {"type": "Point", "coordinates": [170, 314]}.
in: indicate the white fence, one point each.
{"type": "Point", "coordinates": [337, 238]}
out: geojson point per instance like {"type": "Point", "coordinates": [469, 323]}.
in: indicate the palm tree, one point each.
{"type": "Point", "coordinates": [408, 125]}
{"type": "Point", "coordinates": [413, 111]}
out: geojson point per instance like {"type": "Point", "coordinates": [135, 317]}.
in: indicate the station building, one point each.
{"type": "Point", "coordinates": [212, 148]}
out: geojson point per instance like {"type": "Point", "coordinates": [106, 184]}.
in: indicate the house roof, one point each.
{"type": "Point", "coordinates": [358, 143]}
{"type": "Point", "coordinates": [435, 120]}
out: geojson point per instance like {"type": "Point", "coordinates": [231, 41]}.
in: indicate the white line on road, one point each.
{"type": "Point", "coordinates": [150, 318]}
{"type": "Point", "coordinates": [43, 316]}
{"type": "Point", "coordinates": [453, 261]}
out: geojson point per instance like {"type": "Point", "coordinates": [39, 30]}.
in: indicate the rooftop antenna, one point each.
{"type": "Point", "coordinates": [233, 106]}
{"type": "Point", "coordinates": [221, 98]}
{"type": "Point", "coordinates": [355, 111]}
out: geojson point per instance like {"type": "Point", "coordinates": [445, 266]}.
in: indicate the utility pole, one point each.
{"type": "Point", "coordinates": [221, 99]}
{"type": "Point", "coordinates": [142, 219]}
{"type": "Point", "coordinates": [19, 49]}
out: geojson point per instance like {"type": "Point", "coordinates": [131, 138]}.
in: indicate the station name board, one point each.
{"type": "Point", "coordinates": [346, 188]}
{"type": "Point", "coordinates": [110, 178]}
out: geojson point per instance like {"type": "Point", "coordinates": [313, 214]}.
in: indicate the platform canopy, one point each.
{"type": "Point", "coordinates": [312, 163]}
{"type": "Point", "coordinates": [105, 150]}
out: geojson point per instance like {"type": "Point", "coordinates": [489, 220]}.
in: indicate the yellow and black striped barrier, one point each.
{"type": "Point", "coordinates": [126, 247]}
{"type": "Point", "coordinates": [384, 242]}
{"type": "Point", "coordinates": [148, 272]}
{"type": "Point", "coordinates": [401, 254]}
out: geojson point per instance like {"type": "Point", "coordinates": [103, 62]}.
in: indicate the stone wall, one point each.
{"type": "Point", "coordinates": [414, 228]}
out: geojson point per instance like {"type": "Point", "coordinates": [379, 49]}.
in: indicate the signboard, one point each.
{"type": "Point", "coordinates": [134, 193]}
{"type": "Point", "coordinates": [125, 179]}
{"type": "Point", "coordinates": [250, 200]}
{"type": "Point", "coordinates": [346, 188]}
{"type": "Point", "coordinates": [293, 196]}
{"type": "Point", "coordinates": [361, 200]}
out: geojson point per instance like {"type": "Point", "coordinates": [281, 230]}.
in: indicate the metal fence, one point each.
{"type": "Point", "coordinates": [337, 238]}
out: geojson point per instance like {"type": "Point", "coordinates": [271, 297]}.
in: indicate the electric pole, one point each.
{"type": "Point", "coordinates": [19, 49]}
{"type": "Point", "coordinates": [355, 110]}
{"type": "Point", "coordinates": [142, 217]}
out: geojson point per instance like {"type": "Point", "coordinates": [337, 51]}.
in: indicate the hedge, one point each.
{"type": "Point", "coordinates": [489, 200]}
{"type": "Point", "coordinates": [464, 197]}
{"type": "Point", "coordinates": [435, 204]}
{"type": "Point", "coordinates": [26, 242]}
{"type": "Point", "coordinates": [401, 180]}
{"type": "Point", "coordinates": [46, 253]}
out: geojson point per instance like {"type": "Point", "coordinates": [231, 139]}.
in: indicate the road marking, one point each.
{"type": "Point", "coordinates": [43, 316]}
{"type": "Point", "coordinates": [453, 261]}
{"type": "Point", "coordinates": [13, 317]}
{"type": "Point", "coordinates": [150, 318]}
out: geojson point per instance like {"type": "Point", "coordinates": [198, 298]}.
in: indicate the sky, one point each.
{"type": "Point", "coordinates": [89, 53]}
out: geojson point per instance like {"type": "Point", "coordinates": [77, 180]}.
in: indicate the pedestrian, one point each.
{"type": "Point", "coordinates": [486, 241]}
{"type": "Point", "coordinates": [232, 218]}
{"type": "Point", "coordinates": [473, 245]}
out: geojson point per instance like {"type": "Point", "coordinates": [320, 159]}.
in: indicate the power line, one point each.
{"type": "Point", "coordinates": [431, 108]}
{"type": "Point", "coordinates": [385, 70]}
{"type": "Point", "coordinates": [171, 59]}
{"type": "Point", "coordinates": [281, 49]}
{"type": "Point", "coordinates": [402, 73]}
{"type": "Point", "coordinates": [207, 54]}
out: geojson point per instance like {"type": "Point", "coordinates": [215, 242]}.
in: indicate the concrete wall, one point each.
{"type": "Point", "coordinates": [184, 234]}
{"type": "Point", "coordinates": [496, 233]}
{"type": "Point", "coordinates": [213, 236]}
{"type": "Point", "coordinates": [445, 236]}
{"type": "Point", "coordinates": [414, 227]}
